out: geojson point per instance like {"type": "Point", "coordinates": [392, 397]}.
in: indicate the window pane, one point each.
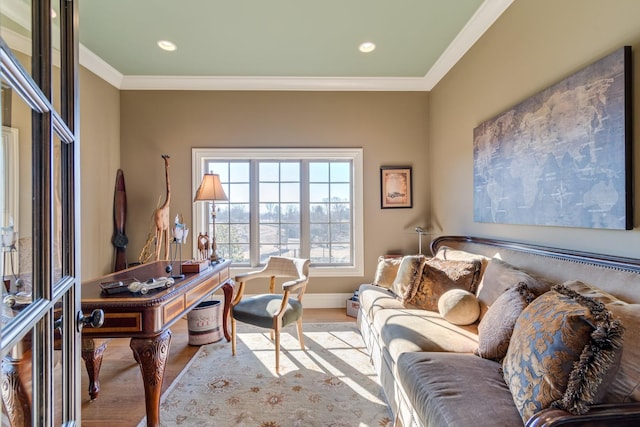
{"type": "Point", "coordinates": [269, 233]}
{"type": "Point", "coordinates": [290, 193]}
{"type": "Point", "coordinates": [290, 172]}
{"type": "Point", "coordinates": [238, 193]}
{"type": "Point", "coordinates": [319, 212]}
{"type": "Point", "coordinates": [220, 168]}
{"type": "Point", "coordinates": [238, 253]}
{"type": "Point", "coordinates": [318, 193]}
{"type": "Point", "coordinates": [269, 193]}
{"type": "Point", "coordinates": [269, 172]}
{"type": "Point", "coordinates": [340, 233]}
{"type": "Point", "coordinates": [340, 193]}
{"type": "Point", "coordinates": [290, 212]}
{"type": "Point", "coordinates": [269, 212]}
{"type": "Point", "coordinates": [239, 172]}
{"type": "Point", "coordinates": [341, 212]}
{"type": "Point", "coordinates": [239, 233]}
{"type": "Point", "coordinates": [57, 249]}
{"type": "Point", "coordinates": [341, 172]}
{"type": "Point", "coordinates": [318, 172]}
{"type": "Point", "coordinates": [340, 254]}
{"type": "Point", "coordinates": [15, 23]}
{"type": "Point", "coordinates": [319, 233]}
{"type": "Point", "coordinates": [222, 212]}
{"type": "Point", "coordinates": [319, 253]}
{"type": "Point", "coordinates": [238, 212]}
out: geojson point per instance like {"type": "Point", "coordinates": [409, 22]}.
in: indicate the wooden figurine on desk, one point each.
{"type": "Point", "coordinates": [203, 246]}
{"type": "Point", "coordinates": [161, 216]}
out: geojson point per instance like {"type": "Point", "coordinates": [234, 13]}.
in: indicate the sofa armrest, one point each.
{"type": "Point", "coordinates": [618, 414]}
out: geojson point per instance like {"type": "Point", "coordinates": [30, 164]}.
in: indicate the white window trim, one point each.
{"type": "Point", "coordinates": [200, 155]}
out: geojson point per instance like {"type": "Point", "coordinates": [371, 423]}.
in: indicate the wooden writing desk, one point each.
{"type": "Point", "coordinates": [146, 320]}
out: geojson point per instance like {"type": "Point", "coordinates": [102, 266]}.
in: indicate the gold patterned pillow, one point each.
{"type": "Point", "coordinates": [561, 348]}
{"type": "Point", "coordinates": [438, 277]}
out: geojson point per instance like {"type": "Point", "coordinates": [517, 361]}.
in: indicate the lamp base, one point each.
{"type": "Point", "coordinates": [215, 259]}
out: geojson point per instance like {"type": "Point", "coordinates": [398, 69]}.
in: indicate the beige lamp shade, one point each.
{"type": "Point", "coordinates": [210, 189]}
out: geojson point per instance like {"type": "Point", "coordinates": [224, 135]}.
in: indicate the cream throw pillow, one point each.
{"type": "Point", "coordinates": [459, 307]}
{"type": "Point", "coordinates": [387, 271]}
{"type": "Point", "coordinates": [409, 273]}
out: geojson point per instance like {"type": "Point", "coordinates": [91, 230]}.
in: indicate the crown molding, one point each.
{"type": "Point", "coordinates": [99, 67]}
{"type": "Point", "coordinates": [272, 83]}
{"type": "Point", "coordinates": [488, 12]}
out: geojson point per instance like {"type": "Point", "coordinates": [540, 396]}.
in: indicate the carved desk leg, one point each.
{"type": "Point", "coordinates": [92, 356]}
{"type": "Point", "coordinates": [151, 354]}
{"type": "Point", "coordinates": [227, 288]}
{"type": "Point", "coordinates": [14, 396]}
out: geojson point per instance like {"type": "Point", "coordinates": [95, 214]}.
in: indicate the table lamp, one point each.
{"type": "Point", "coordinates": [211, 190]}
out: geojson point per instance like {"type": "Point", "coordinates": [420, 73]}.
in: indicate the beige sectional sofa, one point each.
{"type": "Point", "coordinates": [452, 369]}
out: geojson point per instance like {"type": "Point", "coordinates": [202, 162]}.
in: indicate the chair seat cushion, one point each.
{"type": "Point", "coordinates": [258, 310]}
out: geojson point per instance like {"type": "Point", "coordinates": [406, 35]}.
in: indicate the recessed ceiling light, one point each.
{"type": "Point", "coordinates": [367, 47]}
{"type": "Point", "coordinates": [167, 45]}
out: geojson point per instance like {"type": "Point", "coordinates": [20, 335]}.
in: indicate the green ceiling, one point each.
{"type": "Point", "coordinates": [280, 39]}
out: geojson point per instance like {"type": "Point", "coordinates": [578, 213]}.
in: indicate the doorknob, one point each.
{"type": "Point", "coordinates": [95, 319]}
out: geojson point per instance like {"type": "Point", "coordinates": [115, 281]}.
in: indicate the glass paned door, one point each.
{"type": "Point", "coordinates": [40, 292]}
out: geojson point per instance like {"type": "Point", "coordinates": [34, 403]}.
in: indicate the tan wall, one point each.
{"type": "Point", "coordinates": [99, 161]}
{"type": "Point", "coordinates": [390, 127]}
{"type": "Point", "coordinates": [99, 158]}
{"type": "Point", "coordinates": [533, 45]}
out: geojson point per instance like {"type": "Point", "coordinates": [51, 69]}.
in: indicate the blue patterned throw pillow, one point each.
{"type": "Point", "coordinates": [561, 348]}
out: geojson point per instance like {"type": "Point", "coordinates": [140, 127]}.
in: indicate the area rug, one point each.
{"type": "Point", "coordinates": [332, 383]}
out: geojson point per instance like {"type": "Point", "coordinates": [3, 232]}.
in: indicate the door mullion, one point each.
{"type": "Point", "coordinates": [42, 399]}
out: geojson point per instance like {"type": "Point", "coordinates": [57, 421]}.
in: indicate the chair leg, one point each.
{"type": "Point", "coordinates": [233, 336]}
{"type": "Point", "coordinates": [300, 335]}
{"type": "Point", "coordinates": [277, 334]}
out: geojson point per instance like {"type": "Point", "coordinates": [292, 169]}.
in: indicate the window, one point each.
{"type": "Point", "coordinates": [291, 202]}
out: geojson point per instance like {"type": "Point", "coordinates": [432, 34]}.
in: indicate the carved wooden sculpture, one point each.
{"type": "Point", "coordinates": [120, 239]}
{"type": "Point", "coordinates": [161, 216]}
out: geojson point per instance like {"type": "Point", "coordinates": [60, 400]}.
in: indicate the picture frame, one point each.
{"type": "Point", "coordinates": [396, 187]}
{"type": "Point", "coordinates": [562, 157]}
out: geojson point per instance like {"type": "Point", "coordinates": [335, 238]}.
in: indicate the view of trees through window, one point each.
{"type": "Point", "coordinates": [298, 208]}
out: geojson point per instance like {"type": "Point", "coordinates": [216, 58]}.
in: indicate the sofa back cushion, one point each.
{"type": "Point", "coordinates": [500, 276]}
{"type": "Point", "coordinates": [451, 254]}
{"type": "Point", "coordinates": [625, 386]}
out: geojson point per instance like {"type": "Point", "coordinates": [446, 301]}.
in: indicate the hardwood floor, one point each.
{"type": "Point", "coordinates": [121, 399]}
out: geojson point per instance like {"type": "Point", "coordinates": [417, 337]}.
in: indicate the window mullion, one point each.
{"type": "Point", "coordinates": [305, 228]}
{"type": "Point", "coordinates": [254, 214]}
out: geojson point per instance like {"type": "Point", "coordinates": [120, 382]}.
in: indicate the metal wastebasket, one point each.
{"type": "Point", "coordinates": [204, 323]}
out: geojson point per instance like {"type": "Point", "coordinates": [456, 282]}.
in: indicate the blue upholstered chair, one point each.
{"type": "Point", "coordinates": [272, 310]}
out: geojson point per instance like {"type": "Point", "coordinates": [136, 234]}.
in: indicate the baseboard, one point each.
{"type": "Point", "coordinates": [320, 300]}
{"type": "Point", "coordinates": [326, 300]}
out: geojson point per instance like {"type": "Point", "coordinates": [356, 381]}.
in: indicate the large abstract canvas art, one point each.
{"type": "Point", "coordinates": [563, 156]}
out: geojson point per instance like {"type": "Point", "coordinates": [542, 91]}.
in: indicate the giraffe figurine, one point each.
{"type": "Point", "coordinates": [161, 216]}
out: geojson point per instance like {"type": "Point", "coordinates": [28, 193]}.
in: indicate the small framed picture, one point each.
{"type": "Point", "coordinates": [395, 187]}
